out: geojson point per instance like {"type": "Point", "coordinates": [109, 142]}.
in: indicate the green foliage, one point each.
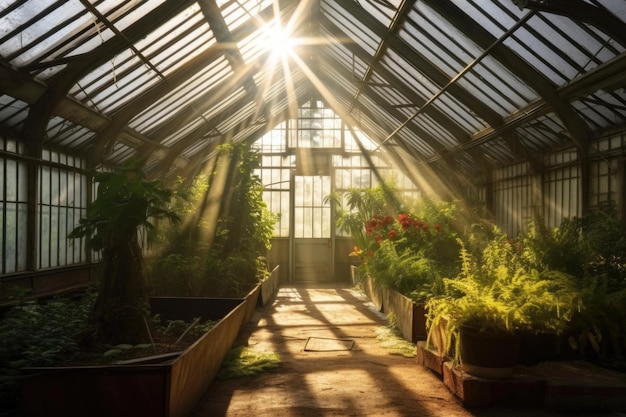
{"type": "Point", "coordinates": [177, 275]}
{"type": "Point", "coordinates": [406, 272]}
{"type": "Point", "coordinates": [249, 223]}
{"type": "Point", "coordinates": [498, 292]}
{"type": "Point", "coordinates": [186, 198]}
{"type": "Point", "coordinates": [207, 274]}
{"type": "Point", "coordinates": [599, 326]}
{"type": "Point", "coordinates": [35, 334]}
{"type": "Point", "coordinates": [233, 276]}
{"type": "Point", "coordinates": [591, 249]}
{"type": "Point", "coordinates": [127, 202]}
{"type": "Point", "coordinates": [410, 251]}
{"type": "Point", "coordinates": [591, 245]}
{"type": "Point", "coordinates": [20, 294]}
{"type": "Point", "coordinates": [242, 361]}
{"type": "Point", "coordinates": [358, 205]}
{"type": "Point", "coordinates": [38, 334]}
{"type": "Point", "coordinates": [230, 266]}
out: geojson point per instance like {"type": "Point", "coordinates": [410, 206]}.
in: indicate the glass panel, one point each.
{"type": "Point", "coordinates": [312, 213]}
{"type": "Point", "coordinates": [358, 33]}
{"type": "Point", "coordinates": [10, 237]}
{"type": "Point", "coordinates": [11, 184]}
{"type": "Point", "coordinates": [381, 11]}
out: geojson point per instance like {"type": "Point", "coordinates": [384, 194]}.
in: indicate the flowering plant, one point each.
{"type": "Point", "coordinates": [407, 253]}
{"type": "Point", "coordinates": [406, 231]}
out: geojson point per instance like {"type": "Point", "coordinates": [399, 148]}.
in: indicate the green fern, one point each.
{"type": "Point", "coordinates": [499, 292]}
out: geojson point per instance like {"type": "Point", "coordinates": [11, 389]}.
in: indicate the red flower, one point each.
{"type": "Point", "coordinates": [405, 221]}
{"type": "Point", "coordinates": [387, 220]}
{"type": "Point", "coordinates": [438, 228]}
{"type": "Point", "coordinates": [393, 234]}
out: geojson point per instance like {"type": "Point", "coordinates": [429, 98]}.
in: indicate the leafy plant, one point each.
{"type": "Point", "coordinates": [34, 334]}
{"type": "Point", "coordinates": [591, 249]}
{"type": "Point", "coordinates": [178, 275]}
{"type": "Point", "coordinates": [356, 206]}
{"type": "Point", "coordinates": [407, 252]}
{"type": "Point", "coordinates": [39, 334]}
{"type": "Point", "coordinates": [244, 217]}
{"type": "Point", "coordinates": [127, 204]}
{"type": "Point", "coordinates": [498, 292]}
{"type": "Point", "coordinates": [406, 272]}
{"type": "Point", "coordinates": [229, 266]}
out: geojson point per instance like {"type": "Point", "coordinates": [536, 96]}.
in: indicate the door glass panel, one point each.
{"type": "Point", "coordinates": [312, 214]}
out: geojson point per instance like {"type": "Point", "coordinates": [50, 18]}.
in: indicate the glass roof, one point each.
{"type": "Point", "coordinates": [479, 83]}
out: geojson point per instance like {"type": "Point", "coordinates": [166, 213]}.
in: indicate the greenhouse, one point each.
{"type": "Point", "coordinates": [182, 181]}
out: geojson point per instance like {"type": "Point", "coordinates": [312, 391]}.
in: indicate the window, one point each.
{"type": "Point", "coordinates": [13, 209]}
{"type": "Point", "coordinates": [62, 203]}
{"type": "Point", "coordinates": [337, 163]}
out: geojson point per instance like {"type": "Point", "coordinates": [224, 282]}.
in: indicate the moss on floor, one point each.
{"type": "Point", "coordinates": [242, 361]}
{"type": "Point", "coordinates": [391, 339]}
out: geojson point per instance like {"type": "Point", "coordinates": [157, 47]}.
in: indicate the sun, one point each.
{"type": "Point", "coordinates": [279, 41]}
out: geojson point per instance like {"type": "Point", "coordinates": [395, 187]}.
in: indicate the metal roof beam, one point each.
{"type": "Point", "coordinates": [611, 72]}
{"type": "Point", "coordinates": [576, 127]}
{"type": "Point", "coordinates": [581, 11]}
{"type": "Point", "coordinates": [58, 86]}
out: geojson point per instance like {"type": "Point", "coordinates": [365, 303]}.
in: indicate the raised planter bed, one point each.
{"type": "Point", "coordinates": [410, 316]}
{"type": "Point", "coordinates": [270, 286]}
{"type": "Point", "coordinates": [170, 388]}
{"type": "Point", "coordinates": [251, 302]}
{"type": "Point", "coordinates": [373, 292]}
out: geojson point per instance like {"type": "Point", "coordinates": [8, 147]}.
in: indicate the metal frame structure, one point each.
{"type": "Point", "coordinates": [463, 95]}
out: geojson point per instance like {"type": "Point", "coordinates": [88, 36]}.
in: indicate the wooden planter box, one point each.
{"type": "Point", "coordinates": [410, 316]}
{"type": "Point", "coordinates": [270, 286]}
{"type": "Point", "coordinates": [355, 277]}
{"type": "Point", "coordinates": [168, 389]}
{"type": "Point", "coordinates": [373, 292]}
{"type": "Point", "coordinates": [251, 302]}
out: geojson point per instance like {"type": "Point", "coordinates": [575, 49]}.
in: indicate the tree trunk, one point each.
{"type": "Point", "coordinates": [122, 304]}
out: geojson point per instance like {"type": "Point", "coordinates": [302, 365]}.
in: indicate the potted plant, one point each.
{"type": "Point", "coordinates": [493, 300]}
{"type": "Point", "coordinates": [591, 249]}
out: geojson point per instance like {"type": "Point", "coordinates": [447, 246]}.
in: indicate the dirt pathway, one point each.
{"type": "Point", "coordinates": [365, 380]}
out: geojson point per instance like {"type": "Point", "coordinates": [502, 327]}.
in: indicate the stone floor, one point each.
{"type": "Point", "coordinates": [356, 376]}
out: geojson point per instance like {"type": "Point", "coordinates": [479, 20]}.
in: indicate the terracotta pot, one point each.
{"type": "Point", "coordinates": [488, 355]}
